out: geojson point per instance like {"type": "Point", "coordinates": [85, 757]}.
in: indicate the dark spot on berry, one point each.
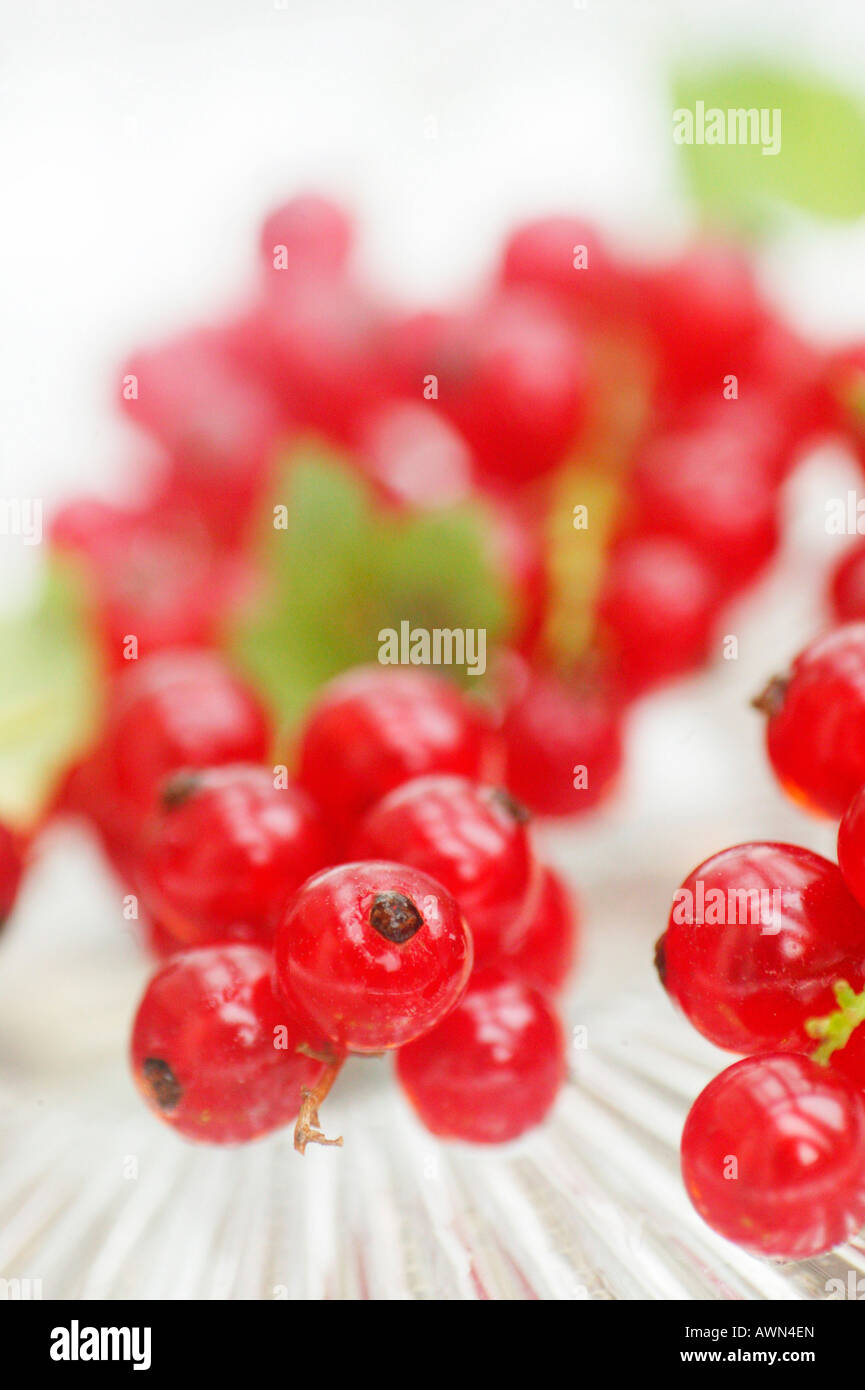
{"type": "Point", "coordinates": [162, 1083]}
{"type": "Point", "coordinates": [661, 959]}
{"type": "Point", "coordinates": [771, 700]}
{"type": "Point", "coordinates": [395, 917]}
{"type": "Point", "coordinates": [178, 788]}
{"type": "Point", "coordinates": [515, 809]}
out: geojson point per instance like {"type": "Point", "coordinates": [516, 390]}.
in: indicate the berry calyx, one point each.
{"type": "Point", "coordinates": [758, 937]}
{"type": "Point", "coordinates": [492, 1069]}
{"type": "Point", "coordinates": [815, 732]}
{"type": "Point", "coordinates": [773, 1156]}
{"type": "Point", "coordinates": [225, 851]}
{"type": "Point", "coordinates": [376, 727]}
{"type": "Point", "coordinates": [215, 1053]}
{"type": "Point", "coordinates": [375, 953]}
{"type": "Point", "coordinates": [472, 839]}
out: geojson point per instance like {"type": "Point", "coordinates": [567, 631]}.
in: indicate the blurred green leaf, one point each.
{"type": "Point", "coordinates": [345, 567]}
{"type": "Point", "coordinates": [49, 695]}
{"type": "Point", "coordinates": [820, 166]}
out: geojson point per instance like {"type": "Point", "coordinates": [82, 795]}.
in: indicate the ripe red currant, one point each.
{"type": "Point", "coordinates": [472, 839]}
{"type": "Point", "coordinates": [851, 846]}
{"type": "Point", "coordinates": [226, 851]}
{"type": "Point", "coordinates": [174, 710]}
{"type": "Point", "coordinates": [773, 1156]}
{"type": "Point", "coordinates": [219, 424]}
{"type": "Point", "coordinates": [376, 727]}
{"type": "Point", "coordinates": [758, 936]}
{"type": "Point", "coordinates": [563, 742]}
{"type": "Point", "coordinates": [215, 1052]}
{"type": "Point", "coordinates": [376, 954]}
{"type": "Point", "coordinates": [306, 233]}
{"type": "Point", "coordinates": [815, 732]}
{"type": "Point", "coordinates": [414, 456]}
{"type": "Point", "coordinates": [658, 602]}
{"type": "Point", "coordinates": [11, 868]}
{"type": "Point", "coordinates": [545, 952]}
{"type": "Point", "coordinates": [847, 585]}
{"type": "Point", "coordinates": [707, 486]}
{"type": "Point", "coordinates": [492, 1069]}
{"type": "Point", "coordinates": [568, 259]}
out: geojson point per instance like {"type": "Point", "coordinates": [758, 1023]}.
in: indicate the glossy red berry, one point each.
{"type": "Point", "coordinates": [546, 950]}
{"type": "Point", "coordinates": [178, 709]}
{"type": "Point", "coordinates": [473, 839]}
{"type": "Point", "coordinates": [376, 727]}
{"type": "Point", "coordinates": [566, 258]}
{"type": "Point", "coordinates": [226, 851]}
{"type": "Point", "coordinates": [306, 233]}
{"type": "Point", "coordinates": [847, 585]}
{"type": "Point", "coordinates": [658, 603]}
{"type": "Point", "coordinates": [414, 456]}
{"type": "Point", "coordinates": [773, 1156]}
{"type": "Point", "coordinates": [707, 486]}
{"type": "Point", "coordinates": [11, 869]}
{"type": "Point", "coordinates": [563, 743]}
{"type": "Point", "coordinates": [815, 732]}
{"type": "Point", "coordinates": [220, 425]}
{"type": "Point", "coordinates": [851, 846]}
{"type": "Point", "coordinates": [492, 1069]}
{"type": "Point", "coordinates": [375, 953]}
{"type": "Point", "coordinates": [758, 936]}
{"type": "Point", "coordinates": [215, 1051]}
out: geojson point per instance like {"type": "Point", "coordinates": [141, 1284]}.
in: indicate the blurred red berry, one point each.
{"type": "Point", "coordinates": [308, 232]}
{"type": "Point", "coordinates": [544, 954]}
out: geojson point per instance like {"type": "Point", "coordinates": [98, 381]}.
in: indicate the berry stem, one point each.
{"type": "Point", "coordinates": [308, 1129]}
{"type": "Point", "coordinates": [836, 1029]}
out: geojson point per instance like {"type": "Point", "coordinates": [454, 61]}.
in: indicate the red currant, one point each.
{"type": "Point", "coordinates": [705, 486]}
{"type": "Point", "coordinates": [306, 233]}
{"type": "Point", "coordinates": [544, 953]}
{"type": "Point", "coordinates": [563, 743]}
{"type": "Point", "coordinates": [220, 425]}
{"type": "Point", "coordinates": [492, 1069]}
{"type": "Point", "coordinates": [658, 602]}
{"type": "Point", "coordinates": [174, 710]}
{"type": "Point", "coordinates": [414, 456]}
{"type": "Point", "coordinates": [376, 727]}
{"type": "Point", "coordinates": [472, 839]}
{"type": "Point", "coordinates": [566, 258]}
{"type": "Point", "coordinates": [375, 953]}
{"type": "Point", "coordinates": [847, 585]}
{"type": "Point", "coordinates": [815, 731]}
{"type": "Point", "coordinates": [773, 1156]}
{"type": "Point", "coordinates": [11, 869]}
{"type": "Point", "coordinates": [226, 851]}
{"type": "Point", "coordinates": [757, 938]}
{"type": "Point", "coordinates": [215, 1053]}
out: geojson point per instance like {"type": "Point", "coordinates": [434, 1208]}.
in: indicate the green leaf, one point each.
{"type": "Point", "coordinates": [49, 695]}
{"type": "Point", "coordinates": [819, 168]}
{"type": "Point", "coordinates": [344, 568]}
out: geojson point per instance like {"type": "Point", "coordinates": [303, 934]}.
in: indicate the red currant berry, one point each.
{"type": "Point", "coordinates": [225, 853]}
{"type": "Point", "coordinates": [492, 1069]}
{"type": "Point", "coordinates": [376, 727]}
{"type": "Point", "coordinates": [773, 1156]}
{"type": "Point", "coordinates": [851, 846]}
{"type": "Point", "coordinates": [657, 606]}
{"type": "Point", "coordinates": [11, 869]}
{"type": "Point", "coordinates": [220, 425]}
{"type": "Point", "coordinates": [306, 233]}
{"type": "Point", "coordinates": [472, 839]}
{"type": "Point", "coordinates": [757, 938]}
{"type": "Point", "coordinates": [175, 710]}
{"type": "Point", "coordinates": [847, 585]}
{"type": "Point", "coordinates": [215, 1053]}
{"type": "Point", "coordinates": [815, 732]}
{"type": "Point", "coordinates": [705, 487]}
{"type": "Point", "coordinates": [566, 258]}
{"type": "Point", "coordinates": [414, 456]}
{"type": "Point", "coordinates": [544, 954]}
{"type": "Point", "coordinates": [563, 743]}
{"type": "Point", "coordinates": [377, 953]}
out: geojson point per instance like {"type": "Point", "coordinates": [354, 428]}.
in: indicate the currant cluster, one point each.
{"type": "Point", "coordinates": [390, 899]}
{"type": "Point", "coordinates": [765, 954]}
{"type": "Point", "coordinates": [575, 381]}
